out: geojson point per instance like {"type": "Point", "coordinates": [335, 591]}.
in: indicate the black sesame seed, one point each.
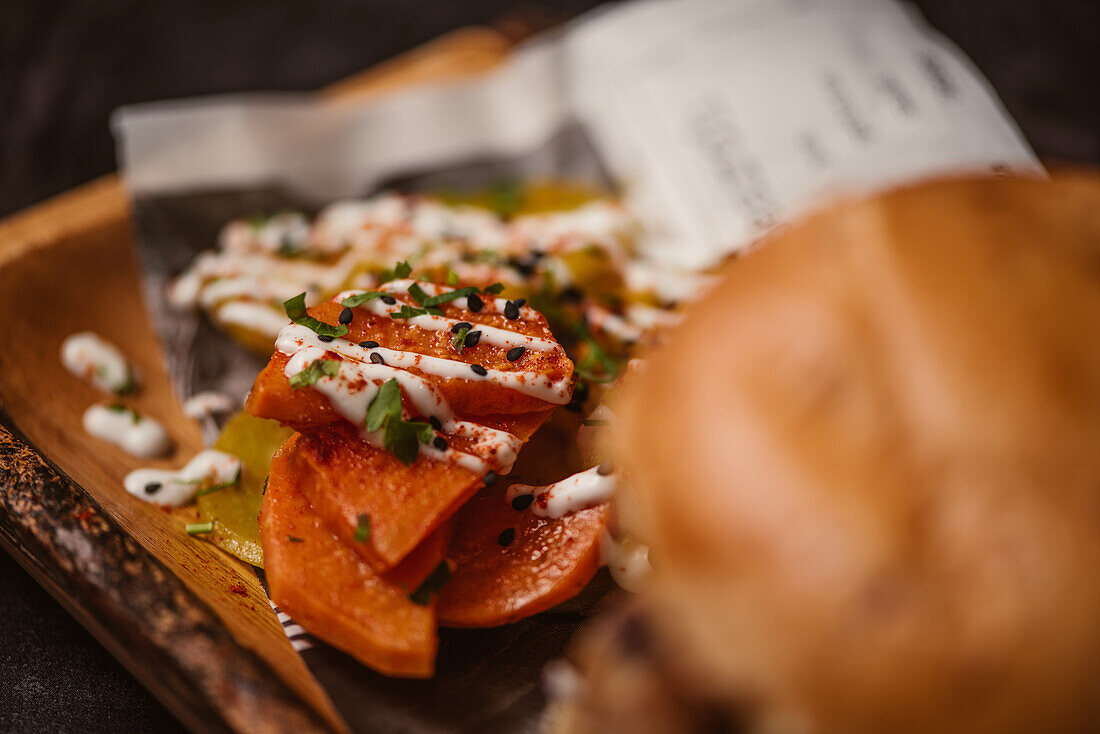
{"type": "Point", "coordinates": [440, 443]}
{"type": "Point", "coordinates": [525, 267]}
{"type": "Point", "coordinates": [474, 303]}
{"type": "Point", "coordinates": [570, 295]}
{"type": "Point", "coordinates": [472, 338]}
{"type": "Point", "coordinates": [389, 300]}
{"type": "Point", "coordinates": [152, 487]}
{"type": "Point", "coordinates": [479, 370]}
{"type": "Point", "coordinates": [377, 358]}
{"type": "Point", "coordinates": [511, 311]}
{"type": "Point", "coordinates": [368, 344]}
{"type": "Point", "coordinates": [523, 501]}
{"type": "Point", "coordinates": [515, 353]}
{"type": "Point", "coordinates": [506, 537]}
{"type": "Point", "coordinates": [490, 478]}
{"type": "Point", "coordinates": [345, 316]}
{"type": "Point", "coordinates": [435, 423]}
{"type": "Point", "coordinates": [605, 468]}
{"type": "Point", "coordinates": [325, 338]}
{"type": "Point", "coordinates": [460, 326]}
{"type": "Point", "coordinates": [521, 302]}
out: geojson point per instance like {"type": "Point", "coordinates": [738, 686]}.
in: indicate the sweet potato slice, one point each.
{"type": "Point", "coordinates": [544, 563]}
{"type": "Point", "coordinates": [472, 396]}
{"type": "Point", "coordinates": [332, 592]}
{"type": "Point", "coordinates": [348, 479]}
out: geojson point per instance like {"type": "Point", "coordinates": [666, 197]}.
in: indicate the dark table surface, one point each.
{"type": "Point", "coordinates": [65, 64]}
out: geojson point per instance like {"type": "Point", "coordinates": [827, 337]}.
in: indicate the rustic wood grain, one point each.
{"type": "Point", "coordinates": [69, 265]}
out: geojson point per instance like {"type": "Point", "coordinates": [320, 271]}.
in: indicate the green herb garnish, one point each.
{"type": "Point", "coordinates": [362, 531]}
{"type": "Point", "coordinates": [400, 270]}
{"type": "Point", "coordinates": [409, 312]}
{"type": "Point", "coordinates": [505, 198]}
{"type": "Point", "coordinates": [222, 485]}
{"type": "Point", "coordinates": [440, 575]}
{"type": "Point", "coordinates": [452, 278]}
{"type": "Point", "coordinates": [596, 357]}
{"type": "Point", "coordinates": [594, 422]}
{"type": "Point", "coordinates": [199, 528]}
{"type": "Point", "coordinates": [360, 298]}
{"type": "Point", "coordinates": [128, 386]}
{"type": "Point", "coordinates": [418, 294]}
{"type": "Point", "coordinates": [256, 221]}
{"type": "Point", "coordinates": [296, 312]}
{"type": "Point", "coordinates": [494, 289]}
{"type": "Point", "coordinates": [401, 437]}
{"type": "Point", "coordinates": [289, 248]}
{"type": "Point", "coordinates": [317, 369]}
{"type": "Point", "coordinates": [386, 404]}
{"type": "Point", "coordinates": [449, 296]}
{"type": "Point", "coordinates": [120, 408]}
{"type": "Point", "coordinates": [293, 539]}
{"type": "Point", "coordinates": [460, 338]}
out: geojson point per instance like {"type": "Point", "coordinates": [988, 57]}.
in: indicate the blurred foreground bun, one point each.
{"type": "Point", "coordinates": [869, 466]}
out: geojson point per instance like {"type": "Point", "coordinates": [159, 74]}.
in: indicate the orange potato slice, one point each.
{"type": "Point", "coordinates": [546, 563]}
{"type": "Point", "coordinates": [349, 478]}
{"type": "Point", "coordinates": [467, 396]}
{"type": "Point", "coordinates": [328, 588]}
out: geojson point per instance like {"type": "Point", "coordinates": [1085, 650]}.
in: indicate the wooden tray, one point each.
{"type": "Point", "coordinates": [190, 622]}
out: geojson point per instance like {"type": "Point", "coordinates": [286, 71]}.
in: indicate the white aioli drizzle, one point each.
{"type": "Point", "coordinates": [137, 434]}
{"type": "Point", "coordinates": [358, 380]}
{"type": "Point", "coordinates": [489, 334]}
{"type": "Point", "coordinates": [95, 360]}
{"type": "Point", "coordinates": [490, 304]}
{"type": "Point", "coordinates": [579, 492]}
{"type": "Point", "coordinates": [626, 559]}
{"type": "Point", "coordinates": [252, 316]}
{"type": "Point", "coordinates": [204, 404]}
{"type": "Point", "coordinates": [206, 469]}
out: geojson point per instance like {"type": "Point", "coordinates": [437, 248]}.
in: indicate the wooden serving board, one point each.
{"type": "Point", "coordinates": [190, 622]}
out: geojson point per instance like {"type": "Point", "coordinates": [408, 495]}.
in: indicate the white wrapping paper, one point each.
{"type": "Point", "coordinates": [718, 119]}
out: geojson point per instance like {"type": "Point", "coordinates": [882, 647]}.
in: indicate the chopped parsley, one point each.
{"type": "Point", "coordinates": [400, 270]}
{"type": "Point", "coordinates": [402, 438]}
{"type": "Point", "coordinates": [505, 198]}
{"type": "Point", "coordinates": [120, 408]}
{"type": "Point", "coordinates": [362, 530]}
{"type": "Point", "coordinates": [224, 485]}
{"type": "Point", "coordinates": [296, 312]}
{"type": "Point", "coordinates": [596, 357]}
{"type": "Point", "coordinates": [409, 312]}
{"type": "Point", "coordinates": [452, 278]}
{"type": "Point", "coordinates": [440, 575]}
{"type": "Point", "coordinates": [360, 298]}
{"type": "Point", "coordinates": [200, 528]}
{"type": "Point", "coordinates": [317, 369]}
{"type": "Point", "coordinates": [128, 386]}
{"type": "Point", "coordinates": [460, 338]}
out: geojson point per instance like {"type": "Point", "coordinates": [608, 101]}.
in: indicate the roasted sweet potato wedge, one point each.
{"type": "Point", "coordinates": [328, 588]}
{"type": "Point", "coordinates": [511, 564]}
{"type": "Point", "coordinates": [349, 479]}
{"type": "Point", "coordinates": [468, 396]}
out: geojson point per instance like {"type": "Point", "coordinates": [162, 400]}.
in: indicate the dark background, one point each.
{"type": "Point", "coordinates": [65, 65]}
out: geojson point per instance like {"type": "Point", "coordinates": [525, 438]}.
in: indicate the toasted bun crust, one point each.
{"type": "Point", "coordinates": [869, 465]}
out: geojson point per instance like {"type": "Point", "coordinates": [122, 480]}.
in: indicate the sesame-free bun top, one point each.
{"type": "Point", "coordinates": [869, 466]}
